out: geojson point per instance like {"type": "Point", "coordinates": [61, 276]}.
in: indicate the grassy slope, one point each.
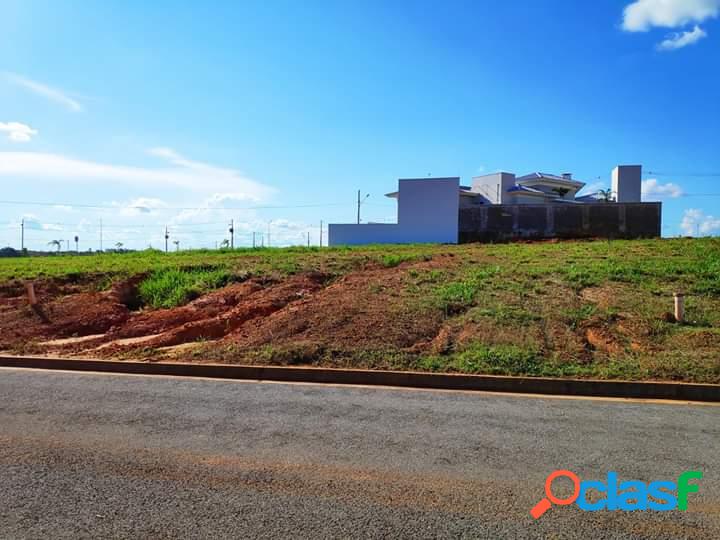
{"type": "Point", "coordinates": [568, 308]}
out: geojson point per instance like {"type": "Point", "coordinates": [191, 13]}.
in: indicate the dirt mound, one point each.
{"type": "Point", "coordinates": [77, 314]}
{"type": "Point", "coordinates": [212, 316]}
{"type": "Point", "coordinates": [364, 309]}
{"type": "Point", "coordinates": [158, 321]}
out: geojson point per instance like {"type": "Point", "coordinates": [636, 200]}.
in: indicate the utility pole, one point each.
{"type": "Point", "coordinates": [253, 239]}
{"type": "Point", "coordinates": [232, 234]}
{"type": "Point", "coordinates": [321, 232]}
{"type": "Point", "coordinates": [77, 244]}
{"type": "Point", "coordinates": [22, 235]}
{"type": "Point", "coordinates": [68, 245]}
{"type": "Point", "coordinates": [166, 239]}
{"type": "Point", "coordinates": [308, 235]}
{"type": "Point", "coordinates": [359, 202]}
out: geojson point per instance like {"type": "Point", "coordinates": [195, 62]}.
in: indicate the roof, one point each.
{"type": "Point", "coordinates": [526, 189]}
{"type": "Point", "coordinates": [552, 178]}
{"type": "Point", "coordinates": [464, 192]}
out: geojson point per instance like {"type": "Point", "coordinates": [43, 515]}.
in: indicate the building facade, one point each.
{"type": "Point", "coordinates": [502, 206]}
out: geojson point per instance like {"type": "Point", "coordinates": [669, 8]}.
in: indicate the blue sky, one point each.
{"type": "Point", "coordinates": [189, 114]}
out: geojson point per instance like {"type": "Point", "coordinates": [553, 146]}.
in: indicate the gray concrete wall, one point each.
{"type": "Point", "coordinates": [627, 183]}
{"type": "Point", "coordinates": [604, 220]}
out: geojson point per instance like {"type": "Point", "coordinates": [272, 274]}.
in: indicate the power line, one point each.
{"type": "Point", "coordinates": [681, 175]}
{"type": "Point", "coordinates": [120, 207]}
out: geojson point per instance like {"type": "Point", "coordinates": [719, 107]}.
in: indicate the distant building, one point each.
{"type": "Point", "coordinates": [503, 206]}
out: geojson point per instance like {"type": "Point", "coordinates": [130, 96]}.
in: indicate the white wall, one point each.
{"type": "Point", "coordinates": [493, 187]}
{"type": "Point", "coordinates": [627, 183]}
{"type": "Point", "coordinates": [427, 212]}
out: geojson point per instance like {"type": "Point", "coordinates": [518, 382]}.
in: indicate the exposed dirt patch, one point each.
{"type": "Point", "coordinates": [361, 309]}
{"type": "Point", "coordinates": [71, 315]}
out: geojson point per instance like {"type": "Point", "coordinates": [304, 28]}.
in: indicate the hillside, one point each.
{"type": "Point", "coordinates": [581, 309]}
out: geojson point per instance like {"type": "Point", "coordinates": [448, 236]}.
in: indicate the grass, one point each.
{"type": "Point", "coordinates": [517, 309]}
{"type": "Point", "coordinates": [457, 296]}
{"type": "Point", "coordinates": [172, 287]}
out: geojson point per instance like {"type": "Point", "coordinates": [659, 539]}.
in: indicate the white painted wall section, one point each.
{"type": "Point", "coordinates": [627, 183]}
{"type": "Point", "coordinates": [428, 211]}
{"type": "Point", "coordinates": [493, 187]}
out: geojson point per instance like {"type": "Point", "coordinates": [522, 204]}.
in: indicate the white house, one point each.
{"type": "Point", "coordinates": [428, 208]}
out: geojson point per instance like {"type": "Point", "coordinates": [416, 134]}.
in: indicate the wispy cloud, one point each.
{"type": "Point", "coordinates": [678, 40]}
{"type": "Point", "coordinates": [17, 132]}
{"type": "Point", "coordinates": [696, 222]}
{"type": "Point", "coordinates": [652, 189]}
{"type": "Point", "coordinates": [140, 206]}
{"type": "Point", "coordinates": [48, 92]}
{"type": "Point", "coordinates": [182, 173]}
{"type": "Point", "coordinates": [642, 15]}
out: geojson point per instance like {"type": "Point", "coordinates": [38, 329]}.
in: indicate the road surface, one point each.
{"type": "Point", "coordinates": [105, 456]}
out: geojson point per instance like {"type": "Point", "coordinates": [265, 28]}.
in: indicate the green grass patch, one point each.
{"type": "Point", "coordinates": [457, 296]}
{"type": "Point", "coordinates": [174, 287]}
{"type": "Point", "coordinates": [391, 260]}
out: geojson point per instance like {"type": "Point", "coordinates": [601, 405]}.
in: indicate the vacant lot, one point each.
{"type": "Point", "coordinates": [581, 309]}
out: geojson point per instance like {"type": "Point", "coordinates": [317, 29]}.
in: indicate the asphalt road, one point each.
{"type": "Point", "coordinates": [107, 456]}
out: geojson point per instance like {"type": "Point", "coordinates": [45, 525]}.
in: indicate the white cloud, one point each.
{"type": "Point", "coordinates": [48, 92]}
{"type": "Point", "coordinates": [33, 223]}
{"type": "Point", "coordinates": [17, 132]}
{"type": "Point", "coordinates": [218, 205]}
{"type": "Point", "coordinates": [593, 187]}
{"type": "Point", "coordinates": [139, 206]}
{"type": "Point", "coordinates": [642, 15]}
{"type": "Point", "coordinates": [678, 40]}
{"type": "Point", "coordinates": [184, 173]}
{"type": "Point", "coordinates": [695, 222]}
{"type": "Point", "coordinates": [652, 189]}
{"type": "Point", "coordinates": [212, 219]}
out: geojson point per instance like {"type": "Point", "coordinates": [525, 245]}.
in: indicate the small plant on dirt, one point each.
{"type": "Point", "coordinates": [393, 260]}
{"type": "Point", "coordinates": [457, 296]}
{"type": "Point", "coordinates": [174, 287]}
{"type": "Point", "coordinates": [575, 317]}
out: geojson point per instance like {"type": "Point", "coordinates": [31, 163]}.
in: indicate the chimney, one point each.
{"type": "Point", "coordinates": [627, 184]}
{"type": "Point", "coordinates": [567, 175]}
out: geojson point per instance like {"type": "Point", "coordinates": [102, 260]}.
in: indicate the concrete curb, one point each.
{"type": "Point", "coordinates": [411, 379]}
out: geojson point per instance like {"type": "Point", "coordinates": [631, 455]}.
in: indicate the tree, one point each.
{"type": "Point", "coordinates": [56, 243]}
{"type": "Point", "coordinates": [561, 191]}
{"type": "Point", "coordinates": [225, 243]}
{"type": "Point", "coordinates": [606, 195]}
{"type": "Point", "coordinates": [119, 245]}
{"type": "Point", "coordinates": [177, 245]}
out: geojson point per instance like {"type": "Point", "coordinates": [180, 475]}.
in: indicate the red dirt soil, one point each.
{"type": "Point", "coordinates": [361, 309]}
